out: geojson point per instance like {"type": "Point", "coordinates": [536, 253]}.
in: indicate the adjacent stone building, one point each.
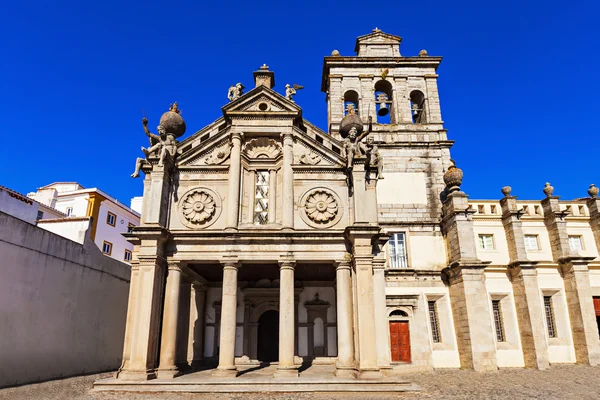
{"type": "Point", "coordinates": [265, 239]}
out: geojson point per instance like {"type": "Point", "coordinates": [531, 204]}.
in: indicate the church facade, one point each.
{"type": "Point", "coordinates": [264, 239]}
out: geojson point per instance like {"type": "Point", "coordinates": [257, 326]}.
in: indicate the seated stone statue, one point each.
{"type": "Point", "coordinates": [164, 144]}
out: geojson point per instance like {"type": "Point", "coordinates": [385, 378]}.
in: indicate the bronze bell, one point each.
{"type": "Point", "coordinates": [383, 109]}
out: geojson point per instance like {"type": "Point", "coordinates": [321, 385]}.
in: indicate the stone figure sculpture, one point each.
{"type": "Point", "coordinates": [374, 157]}
{"type": "Point", "coordinates": [235, 91]}
{"type": "Point", "coordinates": [353, 145]}
{"type": "Point", "coordinates": [163, 144]}
{"type": "Point", "coordinates": [290, 91]}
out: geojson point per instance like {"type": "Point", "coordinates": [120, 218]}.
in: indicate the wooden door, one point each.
{"type": "Point", "coordinates": [597, 305]}
{"type": "Point", "coordinates": [400, 341]}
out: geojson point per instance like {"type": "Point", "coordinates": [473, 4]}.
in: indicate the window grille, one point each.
{"type": "Point", "coordinates": [261, 198]}
{"type": "Point", "coordinates": [549, 316]}
{"type": "Point", "coordinates": [433, 319]}
{"type": "Point", "coordinates": [397, 247]}
{"type": "Point", "coordinates": [498, 321]}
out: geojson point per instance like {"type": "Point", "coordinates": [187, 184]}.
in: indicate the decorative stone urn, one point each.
{"type": "Point", "coordinates": [453, 178]}
{"type": "Point", "coordinates": [351, 121]}
{"type": "Point", "coordinates": [548, 190]}
{"type": "Point", "coordinates": [593, 191]}
{"type": "Point", "coordinates": [172, 121]}
{"type": "Point", "coordinates": [506, 190]}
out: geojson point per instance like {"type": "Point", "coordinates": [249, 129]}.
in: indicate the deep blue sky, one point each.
{"type": "Point", "coordinates": [518, 85]}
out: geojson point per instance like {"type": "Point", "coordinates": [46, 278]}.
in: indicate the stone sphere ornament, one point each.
{"type": "Point", "coordinates": [593, 191]}
{"type": "Point", "coordinates": [348, 122]}
{"type": "Point", "coordinates": [198, 207]}
{"type": "Point", "coordinates": [423, 53]}
{"type": "Point", "coordinates": [453, 178]}
{"type": "Point", "coordinates": [506, 191]}
{"type": "Point", "coordinates": [172, 121]}
{"type": "Point", "coordinates": [335, 53]}
{"type": "Point", "coordinates": [548, 190]}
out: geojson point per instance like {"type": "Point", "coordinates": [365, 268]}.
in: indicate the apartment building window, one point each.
{"type": "Point", "coordinates": [433, 320]}
{"type": "Point", "coordinates": [111, 219]}
{"type": "Point", "coordinates": [531, 242]}
{"type": "Point", "coordinates": [261, 198]}
{"type": "Point", "coordinates": [69, 211]}
{"type": "Point", "coordinates": [576, 243]}
{"type": "Point", "coordinates": [130, 226]}
{"type": "Point", "coordinates": [498, 324]}
{"type": "Point", "coordinates": [486, 242]}
{"type": "Point", "coordinates": [127, 255]}
{"type": "Point", "coordinates": [107, 248]}
{"type": "Point", "coordinates": [40, 215]}
{"type": "Point", "coordinates": [549, 316]}
{"type": "Point", "coordinates": [397, 245]}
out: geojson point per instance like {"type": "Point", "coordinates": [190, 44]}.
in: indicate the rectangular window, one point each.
{"type": "Point", "coordinates": [261, 198]}
{"type": "Point", "coordinates": [69, 211]}
{"type": "Point", "coordinates": [531, 242]}
{"type": "Point", "coordinates": [498, 320]}
{"type": "Point", "coordinates": [127, 255]}
{"type": "Point", "coordinates": [575, 243]}
{"type": "Point", "coordinates": [107, 248]}
{"type": "Point", "coordinates": [40, 215]}
{"type": "Point", "coordinates": [111, 219]}
{"type": "Point", "coordinates": [398, 257]}
{"type": "Point", "coordinates": [486, 242]}
{"type": "Point", "coordinates": [433, 319]}
{"type": "Point", "coordinates": [130, 226]}
{"type": "Point", "coordinates": [549, 316]}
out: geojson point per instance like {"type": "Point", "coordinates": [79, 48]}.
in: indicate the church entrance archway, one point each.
{"type": "Point", "coordinates": [268, 336]}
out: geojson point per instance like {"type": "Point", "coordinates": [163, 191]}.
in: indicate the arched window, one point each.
{"type": "Point", "coordinates": [383, 102]}
{"type": "Point", "coordinates": [351, 99]}
{"type": "Point", "coordinates": [417, 107]}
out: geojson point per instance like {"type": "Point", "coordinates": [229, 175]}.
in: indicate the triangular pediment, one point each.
{"type": "Point", "coordinates": [261, 101]}
{"type": "Point", "coordinates": [378, 44]}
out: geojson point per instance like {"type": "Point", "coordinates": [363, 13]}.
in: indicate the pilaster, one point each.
{"type": "Point", "coordinates": [288, 181]}
{"type": "Point", "coordinates": [594, 208]}
{"type": "Point", "coordinates": [196, 331]}
{"type": "Point", "coordinates": [381, 322]}
{"type": "Point", "coordinates": [233, 191]}
{"type": "Point", "coordinates": [365, 194]}
{"type": "Point", "coordinates": [156, 195]}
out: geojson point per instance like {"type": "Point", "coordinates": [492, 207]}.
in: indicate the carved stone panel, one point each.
{"type": "Point", "coordinates": [321, 208]}
{"type": "Point", "coordinates": [199, 208]}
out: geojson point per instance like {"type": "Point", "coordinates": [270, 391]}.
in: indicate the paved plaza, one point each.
{"type": "Point", "coordinates": [560, 382]}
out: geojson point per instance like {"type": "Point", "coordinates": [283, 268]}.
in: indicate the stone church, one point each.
{"type": "Point", "coordinates": [265, 239]}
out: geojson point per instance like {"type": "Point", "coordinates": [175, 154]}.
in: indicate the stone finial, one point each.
{"type": "Point", "coordinates": [335, 53]}
{"type": "Point", "coordinates": [453, 178]}
{"type": "Point", "coordinates": [264, 77]}
{"type": "Point", "coordinates": [376, 30]}
{"type": "Point", "coordinates": [172, 121]}
{"type": "Point", "coordinates": [506, 191]}
{"type": "Point", "coordinates": [548, 190]}
{"type": "Point", "coordinates": [423, 53]}
{"type": "Point", "coordinates": [593, 191]}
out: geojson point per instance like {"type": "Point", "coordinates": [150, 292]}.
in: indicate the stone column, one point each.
{"type": "Point", "coordinates": [143, 315]}
{"type": "Point", "coordinates": [345, 366]}
{"type": "Point", "coordinates": [196, 331]}
{"type": "Point", "coordinates": [133, 285]}
{"type": "Point", "coordinates": [381, 322]}
{"type": "Point", "coordinates": [272, 195]}
{"type": "Point", "coordinates": [594, 208]}
{"type": "Point", "coordinates": [575, 272]}
{"type": "Point", "coordinates": [168, 342]}
{"type": "Point", "coordinates": [233, 192]}
{"type": "Point", "coordinates": [286, 367]}
{"type": "Point", "coordinates": [288, 181]}
{"type": "Point", "coordinates": [226, 366]}
{"type": "Point", "coordinates": [526, 290]}
{"type": "Point", "coordinates": [468, 292]}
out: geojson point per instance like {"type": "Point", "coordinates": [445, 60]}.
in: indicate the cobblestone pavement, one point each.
{"type": "Point", "coordinates": [560, 382]}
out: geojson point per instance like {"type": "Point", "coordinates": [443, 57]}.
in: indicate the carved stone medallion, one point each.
{"type": "Point", "coordinates": [321, 208]}
{"type": "Point", "coordinates": [199, 208]}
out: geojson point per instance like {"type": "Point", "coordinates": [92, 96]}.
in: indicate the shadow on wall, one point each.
{"type": "Point", "coordinates": [63, 305]}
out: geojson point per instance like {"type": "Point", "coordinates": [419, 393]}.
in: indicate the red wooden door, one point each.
{"type": "Point", "coordinates": [400, 341]}
{"type": "Point", "coordinates": [597, 305]}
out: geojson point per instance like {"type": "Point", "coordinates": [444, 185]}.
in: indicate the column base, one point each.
{"type": "Point", "coordinates": [345, 372]}
{"type": "Point", "coordinates": [129, 375]}
{"type": "Point", "coordinates": [168, 373]}
{"type": "Point", "coordinates": [369, 374]}
{"type": "Point", "coordinates": [286, 372]}
{"type": "Point", "coordinates": [225, 373]}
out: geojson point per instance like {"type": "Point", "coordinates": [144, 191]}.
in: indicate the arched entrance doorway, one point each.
{"type": "Point", "coordinates": [268, 336]}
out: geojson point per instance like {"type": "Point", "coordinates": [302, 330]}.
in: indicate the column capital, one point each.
{"type": "Point", "coordinates": [286, 135]}
{"type": "Point", "coordinates": [287, 264]}
{"type": "Point", "coordinates": [236, 135]}
{"type": "Point", "coordinates": [341, 265]}
{"type": "Point", "coordinates": [176, 265]}
{"type": "Point", "coordinates": [230, 264]}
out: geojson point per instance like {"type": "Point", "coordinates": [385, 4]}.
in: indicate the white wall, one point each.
{"type": "Point", "coordinates": [63, 305]}
{"type": "Point", "coordinates": [24, 209]}
{"type": "Point", "coordinates": [73, 229]}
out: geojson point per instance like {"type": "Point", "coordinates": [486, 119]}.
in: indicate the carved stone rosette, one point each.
{"type": "Point", "coordinates": [321, 208]}
{"type": "Point", "coordinates": [199, 208]}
